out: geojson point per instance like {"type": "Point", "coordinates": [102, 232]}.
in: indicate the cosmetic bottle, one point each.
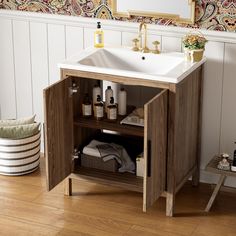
{"type": "Point", "coordinates": [112, 110]}
{"type": "Point", "coordinates": [108, 95]}
{"type": "Point", "coordinates": [99, 36]}
{"type": "Point", "coordinates": [233, 167]}
{"type": "Point", "coordinates": [87, 106]}
{"type": "Point", "coordinates": [98, 108]}
{"type": "Point", "coordinates": [96, 91]}
{"type": "Point", "coordinates": [122, 102]}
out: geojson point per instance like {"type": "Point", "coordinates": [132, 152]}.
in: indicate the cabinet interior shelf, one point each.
{"type": "Point", "coordinates": [109, 125]}
{"type": "Point", "coordinates": [125, 180]}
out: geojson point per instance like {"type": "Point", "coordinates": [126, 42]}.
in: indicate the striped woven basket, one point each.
{"type": "Point", "coordinates": [20, 156]}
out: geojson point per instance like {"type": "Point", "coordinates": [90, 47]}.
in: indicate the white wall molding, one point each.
{"type": "Point", "coordinates": [87, 22]}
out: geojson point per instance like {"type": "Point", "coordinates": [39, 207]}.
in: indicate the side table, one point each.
{"type": "Point", "coordinates": [212, 167]}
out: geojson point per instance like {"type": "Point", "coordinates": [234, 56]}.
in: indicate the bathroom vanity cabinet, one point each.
{"type": "Point", "coordinates": [171, 134]}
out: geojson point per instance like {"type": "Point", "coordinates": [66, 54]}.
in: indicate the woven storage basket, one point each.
{"type": "Point", "coordinates": [19, 156]}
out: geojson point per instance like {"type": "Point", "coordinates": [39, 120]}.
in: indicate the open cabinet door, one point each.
{"type": "Point", "coordinates": [155, 148]}
{"type": "Point", "coordinates": [58, 113]}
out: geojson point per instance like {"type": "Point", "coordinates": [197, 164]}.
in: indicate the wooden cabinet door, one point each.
{"type": "Point", "coordinates": [155, 148]}
{"type": "Point", "coordinates": [58, 113]}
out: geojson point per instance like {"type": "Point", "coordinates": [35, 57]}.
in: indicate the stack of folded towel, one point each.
{"type": "Point", "coordinates": [109, 151]}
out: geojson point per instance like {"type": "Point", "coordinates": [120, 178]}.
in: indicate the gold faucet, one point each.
{"type": "Point", "coordinates": [138, 42]}
{"type": "Point", "coordinates": [144, 47]}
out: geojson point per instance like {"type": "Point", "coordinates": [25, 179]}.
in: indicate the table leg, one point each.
{"type": "Point", "coordinates": [215, 192]}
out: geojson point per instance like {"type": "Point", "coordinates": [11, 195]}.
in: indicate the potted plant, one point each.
{"type": "Point", "coordinates": [194, 46]}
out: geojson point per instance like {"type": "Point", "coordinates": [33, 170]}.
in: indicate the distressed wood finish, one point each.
{"type": "Point", "coordinates": [116, 79]}
{"type": "Point", "coordinates": [171, 135]}
{"type": "Point", "coordinates": [58, 132]}
{"type": "Point", "coordinates": [212, 167]}
{"type": "Point", "coordinates": [109, 125]}
{"type": "Point", "coordinates": [155, 143]}
{"type": "Point", "coordinates": [183, 134]}
{"type": "Point", "coordinates": [123, 180]}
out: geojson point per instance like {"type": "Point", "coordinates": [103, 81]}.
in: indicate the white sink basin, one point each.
{"type": "Point", "coordinates": [166, 67]}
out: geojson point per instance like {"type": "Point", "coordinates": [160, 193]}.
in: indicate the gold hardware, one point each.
{"type": "Point", "coordinates": [143, 48]}
{"type": "Point", "coordinates": [135, 41]}
{"type": "Point", "coordinates": [156, 50]}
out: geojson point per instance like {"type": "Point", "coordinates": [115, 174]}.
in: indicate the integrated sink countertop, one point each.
{"type": "Point", "coordinates": [121, 61]}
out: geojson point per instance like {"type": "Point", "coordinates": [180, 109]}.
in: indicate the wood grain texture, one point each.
{"type": "Point", "coordinates": [188, 97]}
{"type": "Point", "coordinates": [183, 133]}
{"type": "Point", "coordinates": [58, 132]}
{"type": "Point", "coordinates": [28, 209]}
{"type": "Point", "coordinates": [109, 125]}
{"type": "Point", "coordinates": [155, 147]}
{"type": "Point", "coordinates": [124, 180]}
{"type": "Point", "coordinates": [212, 167]}
{"type": "Point", "coordinates": [199, 96]}
{"type": "Point", "coordinates": [171, 134]}
{"type": "Point", "coordinates": [116, 79]}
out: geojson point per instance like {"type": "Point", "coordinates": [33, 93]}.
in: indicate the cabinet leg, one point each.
{"type": "Point", "coordinates": [170, 203]}
{"type": "Point", "coordinates": [68, 187]}
{"type": "Point", "coordinates": [195, 177]}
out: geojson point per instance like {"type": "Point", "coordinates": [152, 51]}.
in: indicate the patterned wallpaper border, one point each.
{"type": "Point", "coordinates": [210, 14]}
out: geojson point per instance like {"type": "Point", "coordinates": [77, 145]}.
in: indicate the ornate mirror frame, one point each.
{"type": "Point", "coordinates": [174, 17]}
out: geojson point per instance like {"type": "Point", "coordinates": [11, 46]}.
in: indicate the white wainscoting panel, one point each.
{"type": "Point", "coordinates": [74, 40]}
{"type": "Point", "coordinates": [127, 38]}
{"type": "Point", "coordinates": [7, 79]}
{"type": "Point", "coordinates": [212, 95]}
{"type": "Point", "coordinates": [56, 50]}
{"type": "Point", "coordinates": [39, 62]}
{"type": "Point", "coordinates": [21, 41]}
{"type": "Point", "coordinates": [171, 44]}
{"type": "Point", "coordinates": [228, 125]}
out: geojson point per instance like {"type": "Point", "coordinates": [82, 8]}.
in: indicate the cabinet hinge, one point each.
{"type": "Point", "coordinates": [75, 154]}
{"type": "Point", "coordinates": [73, 89]}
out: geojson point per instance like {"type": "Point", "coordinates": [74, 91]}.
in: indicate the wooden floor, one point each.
{"type": "Point", "coordinates": [26, 208]}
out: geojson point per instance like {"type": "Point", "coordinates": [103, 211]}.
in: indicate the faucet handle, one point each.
{"type": "Point", "coordinates": [156, 50]}
{"type": "Point", "coordinates": [135, 47]}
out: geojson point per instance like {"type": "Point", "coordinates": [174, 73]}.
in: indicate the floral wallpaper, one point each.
{"type": "Point", "coordinates": [210, 14]}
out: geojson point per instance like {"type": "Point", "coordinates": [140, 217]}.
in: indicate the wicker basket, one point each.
{"type": "Point", "coordinates": [19, 156]}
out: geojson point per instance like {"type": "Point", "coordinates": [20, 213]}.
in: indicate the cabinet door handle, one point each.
{"type": "Point", "coordinates": [149, 158]}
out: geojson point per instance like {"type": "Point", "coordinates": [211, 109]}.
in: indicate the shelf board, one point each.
{"type": "Point", "coordinates": [212, 167]}
{"type": "Point", "coordinates": [124, 180]}
{"type": "Point", "coordinates": [109, 125]}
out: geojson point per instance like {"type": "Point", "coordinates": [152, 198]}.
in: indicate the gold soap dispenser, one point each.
{"type": "Point", "coordinates": [99, 36]}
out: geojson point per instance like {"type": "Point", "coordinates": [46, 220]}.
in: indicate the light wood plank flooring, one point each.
{"type": "Point", "coordinates": [26, 208]}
